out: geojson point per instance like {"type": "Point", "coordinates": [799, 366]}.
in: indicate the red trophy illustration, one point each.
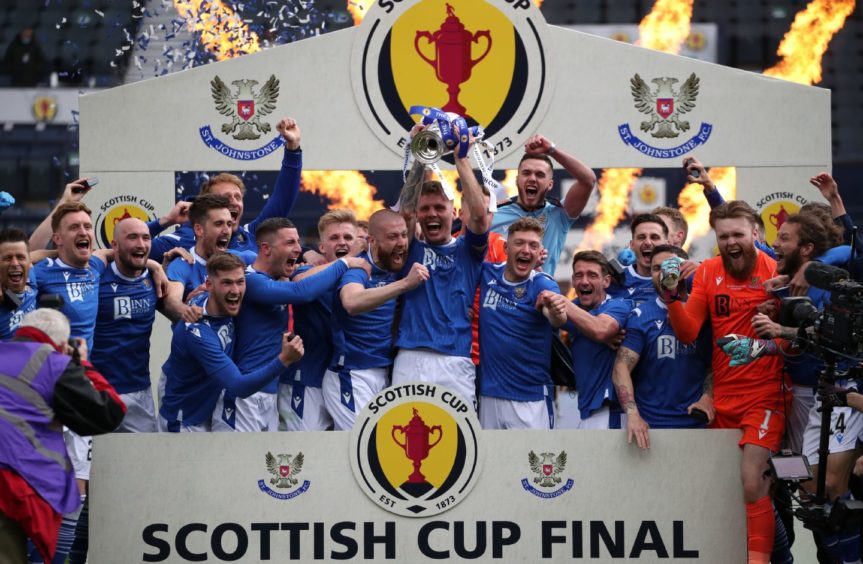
{"type": "Point", "coordinates": [416, 445]}
{"type": "Point", "coordinates": [452, 63]}
{"type": "Point", "coordinates": [777, 219]}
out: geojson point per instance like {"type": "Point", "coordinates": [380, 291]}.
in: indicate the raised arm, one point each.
{"type": "Point", "coordinates": [74, 192]}
{"type": "Point", "coordinates": [585, 179]}
{"type": "Point", "coordinates": [287, 186]}
{"type": "Point", "coordinates": [472, 200]}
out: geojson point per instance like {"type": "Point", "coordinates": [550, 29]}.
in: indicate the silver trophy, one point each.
{"type": "Point", "coordinates": [428, 146]}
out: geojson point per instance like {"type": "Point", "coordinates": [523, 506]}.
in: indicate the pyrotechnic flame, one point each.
{"type": "Point", "coordinates": [223, 32]}
{"type": "Point", "coordinates": [359, 9]}
{"type": "Point", "coordinates": [347, 189]}
{"type": "Point", "coordinates": [694, 207]}
{"type": "Point", "coordinates": [667, 26]}
{"type": "Point", "coordinates": [508, 182]}
{"type": "Point", "coordinates": [804, 45]}
{"type": "Point", "coordinates": [615, 184]}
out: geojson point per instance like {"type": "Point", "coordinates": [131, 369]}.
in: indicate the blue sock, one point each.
{"type": "Point", "coordinates": [78, 553]}
{"type": "Point", "coordinates": [64, 539]}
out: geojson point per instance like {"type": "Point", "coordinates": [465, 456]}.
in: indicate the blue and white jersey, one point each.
{"type": "Point", "coordinates": [552, 217]}
{"type": "Point", "coordinates": [313, 323]}
{"type": "Point", "coordinates": [636, 288]}
{"type": "Point", "coordinates": [11, 316]}
{"type": "Point", "coordinates": [263, 316]}
{"type": "Point", "coordinates": [79, 288]}
{"type": "Point", "coordinates": [436, 314]}
{"type": "Point", "coordinates": [190, 275]}
{"type": "Point", "coordinates": [200, 352]}
{"type": "Point", "coordinates": [121, 349]}
{"type": "Point", "coordinates": [514, 337]}
{"type": "Point", "coordinates": [193, 275]}
{"type": "Point", "coordinates": [593, 361]}
{"type": "Point", "coordinates": [669, 376]}
{"type": "Point", "coordinates": [364, 340]}
{"type": "Point", "coordinates": [279, 204]}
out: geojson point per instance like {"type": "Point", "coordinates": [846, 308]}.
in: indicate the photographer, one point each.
{"type": "Point", "coordinates": [46, 383]}
{"type": "Point", "coordinates": [800, 238]}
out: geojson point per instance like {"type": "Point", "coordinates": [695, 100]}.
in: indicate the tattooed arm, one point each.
{"type": "Point", "coordinates": [621, 376]}
{"type": "Point", "coordinates": [705, 402]}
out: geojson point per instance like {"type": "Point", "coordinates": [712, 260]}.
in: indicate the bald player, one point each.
{"type": "Point", "coordinates": [127, 309]}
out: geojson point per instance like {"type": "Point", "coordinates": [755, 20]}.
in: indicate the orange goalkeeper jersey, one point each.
{"type": "Point", "coordinates": [731, 305]}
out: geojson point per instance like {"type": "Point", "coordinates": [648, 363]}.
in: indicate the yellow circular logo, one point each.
{"type": "Point", "coordinates": [482, 59]}
{"type": "Point", "coordinates": [117, 209]}
{"type": "Point", "coordinates": [414, 449]}
{"type": "Point", "coordinates": [44, 108]}
{"type": "Point", "coordinates": [774, 216]}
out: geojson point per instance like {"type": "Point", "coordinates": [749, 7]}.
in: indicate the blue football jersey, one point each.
{"type": "Point", "coordinates": [11, 315]}
{"type": "Point", "coordinates": [593, 361]}
{"type": "Point", "coordinates": [200, 367]}
{"type": "Point", "coordinates": [514, 337]}
{"type": "Point", "coordinates": [190, 275]}
{"type": "Point", "coordinates": [636, 288]}
{"type": "Point", "coordinates": [364, 340]}
{"type": "Point", "coordinates": [669, 375]}
{"type": "Point", "coordinates": [553, 218]}
{"type": "Point", "coordinates": [313, 323]}
{"type": "Point", "coordinates": [437, 314]}
{"type": "Point", "coordinates": [79, 288]}
{"type": "Point", "coordinates": [263, 316]}
{"type": "Point", "coordinates": [121, 349]}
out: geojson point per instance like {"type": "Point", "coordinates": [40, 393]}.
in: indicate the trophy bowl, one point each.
{"type": "Point", "coordinates": [428, 146]}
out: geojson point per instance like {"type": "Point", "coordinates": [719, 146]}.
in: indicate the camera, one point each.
{"type": "Point", "coordinates": [838, 328]}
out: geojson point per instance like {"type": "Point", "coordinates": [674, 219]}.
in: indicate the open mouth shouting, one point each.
{"type": "Point", "coordinates": [15, 276]}
{"type": "Point", "coordinates": [232, 303]}
{"type": "Point", "coordinates": [342, 252]}
{"type": "Point", "coordinates": [82, 244]}
{"type": "Point", "coordinates": [222, 243]}
{"type": "Point", "coordinates": [433, 229]}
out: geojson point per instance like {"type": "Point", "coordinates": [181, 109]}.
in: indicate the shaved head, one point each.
{"type": "Point", "coordinates": [380, 219]}
{"type": "Point", "coordinates": [129, 224]}
{"type": "Point", "coordinates": [388, 240]}
{"type": "Point", "coordinates": [131, 246]}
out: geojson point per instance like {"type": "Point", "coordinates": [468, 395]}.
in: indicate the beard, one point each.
{"type": "Point", "coordinates": [791, 263]}
{"type": "Point", "coordinates": [746, 266]}
{"type": "Point", "coordinates": [385, 260]}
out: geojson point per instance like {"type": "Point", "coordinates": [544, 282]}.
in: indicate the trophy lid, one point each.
{"type": "Point", "coordinates": [452, 23]}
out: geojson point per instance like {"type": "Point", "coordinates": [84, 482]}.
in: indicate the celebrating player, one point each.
{"type": "Point", "coordinates": [18, 297]}
{"type": "Point", "coordinates": [534, 181]}
{"type": "Point", "coordinates": [200, 365]}
{"type": "Point", "coordinates": [658, 379]}
{"type": "Point", "coordinates": [727, 289]}
{"type": "Point", "coordinates": [518, 305]}
{"type": "Point", "coordinates": [362, 319]}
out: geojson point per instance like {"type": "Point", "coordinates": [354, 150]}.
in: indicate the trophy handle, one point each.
{"type": "Point", "coordinates": [476, 37]}
{"type": "Point", "coordinates": [430, 38]}
{"type": "Point", "coordinates": [439, 435]}
{"type": "Point", "coordinates": [398, 428]}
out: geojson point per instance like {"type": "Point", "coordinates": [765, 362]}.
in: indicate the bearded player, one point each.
{"type": "Point", "coordinates": [726, 290]}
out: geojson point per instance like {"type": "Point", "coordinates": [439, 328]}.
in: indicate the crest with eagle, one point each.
{"type": "Point", "coordinates": [548, 466]}
{"type": "Point", "coordinates": [284, 467]}
{"type": "Point", "coordinates": [246, 107]}
{"type": "Point", "coordinates": [664, 105]}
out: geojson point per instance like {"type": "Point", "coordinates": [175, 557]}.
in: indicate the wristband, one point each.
{"type": "Point", "coordinates": [552, 149]}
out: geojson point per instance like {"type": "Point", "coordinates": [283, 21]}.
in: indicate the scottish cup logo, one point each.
{"type": "Point", "coordinates": [244, 106]}
{"type": "Point", "coordinates": [414, 450]}
{"type": "Point", "coordinates": [484, 60]}
{"type": "Point", "coordinates": [665, 105]}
